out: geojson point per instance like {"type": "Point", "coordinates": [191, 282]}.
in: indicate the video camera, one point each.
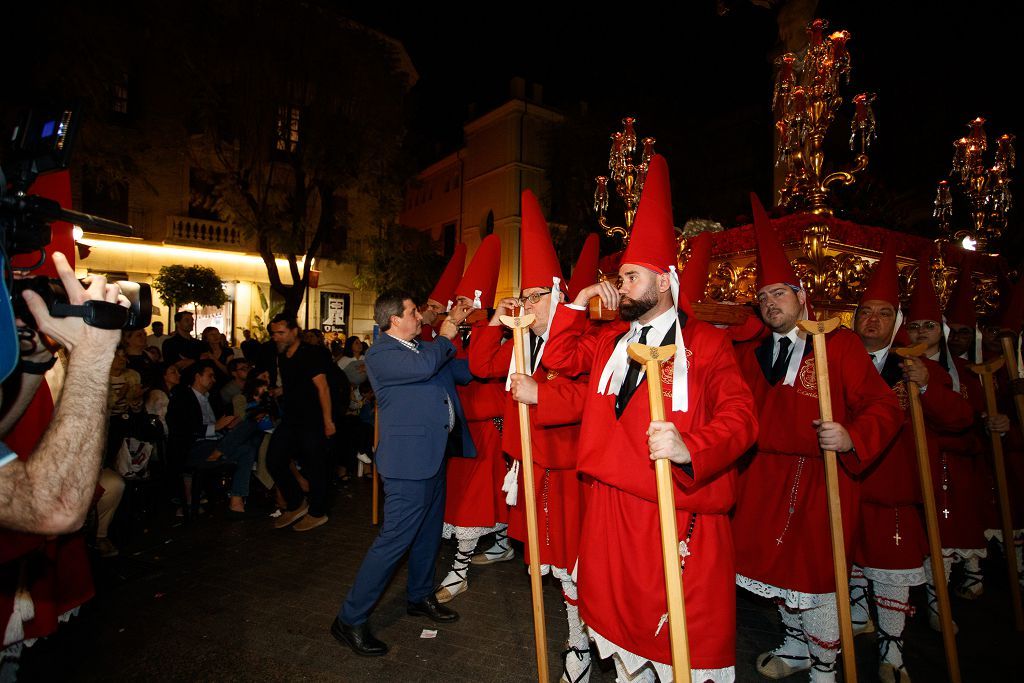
{"type": "Point", "coordinates": [41, 143]}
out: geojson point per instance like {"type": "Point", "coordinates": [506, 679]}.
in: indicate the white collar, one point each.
{"type": "Point", "coordinates": [879, 357]}
{"type": "Point", "coordinates": [796, 354]}
{"type": "Point", "coordinates": [791, 335]}
{"type": "Point", "coordinates": [659, 327]}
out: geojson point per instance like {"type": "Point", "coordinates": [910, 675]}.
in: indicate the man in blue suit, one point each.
{"type": "Point", "coordinates": [420, 421]}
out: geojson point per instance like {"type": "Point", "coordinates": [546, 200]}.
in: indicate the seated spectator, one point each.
{"type": "Point", "coordinates": [352, 360]}
{"type": "Point", "coordinates": [154, 354]}
{"type": "Point", "coordinates": [216, 350]}
{"type": "Point", "coordinates": [134, 342]}
{"type": "Point", "coordinates": [207, 440]}
{"type": "Point", "coordinates": [159, 395]}
{"type": "Point", "coordinates": [238, 370]}
{"type": "Point", "coordinates": [256, 404]}
{"type": "Point", "coordinates": [113, 488]}
{"type": "Point", "coordinates": [124, 398]}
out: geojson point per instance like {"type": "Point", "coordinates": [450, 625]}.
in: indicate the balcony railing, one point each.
{"type": "Point", "coordinates": [198, 232]}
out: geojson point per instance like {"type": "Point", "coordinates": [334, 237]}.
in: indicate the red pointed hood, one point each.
{"type": "Point", "coordinates": [884, 283]}
{"type": "Point", "coordinates": [924, 303]}
{"type": "Point", "coordinates": [961, 309]}
{"type": "Point", "coordinates": [652, 241]}
{"type": "Point", "coordinates": [772, 264]}
{"type": "Point", "coordinates": [538, 262]}
{"type": "Point", "coordinates": [694, 278]}
{"type": "Point", "coordinates": [444, 290]}
{"type": "Point", "coordinates": [482, 274]}
{"type": "Point", "coordinates": [585, 272]}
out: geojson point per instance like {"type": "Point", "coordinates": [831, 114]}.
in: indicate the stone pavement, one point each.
{"type": "Point", "coordinates": [241, 601]}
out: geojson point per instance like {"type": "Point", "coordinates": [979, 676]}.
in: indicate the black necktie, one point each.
{"type": "Point", "coordinates": [535, 344]}
{"type": "Point", "coordinates": [781, 362]}
{"type": "Point", "coordinates": [629, 383]}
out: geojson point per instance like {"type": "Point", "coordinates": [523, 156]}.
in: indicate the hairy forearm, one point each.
{"type": "Point", "coordinates": [51, 491]}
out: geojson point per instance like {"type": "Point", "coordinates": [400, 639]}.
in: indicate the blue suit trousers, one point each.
{"type": "Point", "coordinates": [413, 519]}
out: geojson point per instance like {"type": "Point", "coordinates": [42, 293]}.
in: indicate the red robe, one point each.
{"type": "Point", "coordinates": [792, 550]}
{"type": "Point", "coordinates": [555, 434]}
{"type": "Point", "coordinates": [474, 498]}
{"type": "Point", "coordinates": [961, 474]}
{"type": "Point", "coordinates": [621, 576]}
{"type": "Point", "coordinates": [891, 487]}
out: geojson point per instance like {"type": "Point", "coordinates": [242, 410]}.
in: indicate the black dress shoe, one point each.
{"type": "Point", "coordinates": [433, 610]}
{"type": "Point", "coordinates": [358, 638]}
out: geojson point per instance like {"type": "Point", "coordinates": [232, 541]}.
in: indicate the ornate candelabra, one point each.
{"type": "Point", "coordinates": [987, 189]}
{"type": "Point", "coordinates": [805, 101]}
{"type": "Point", "coordinates": [627, 175]}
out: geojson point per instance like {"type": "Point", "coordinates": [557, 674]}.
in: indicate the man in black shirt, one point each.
{"type": "Point", "coordinates": [181, 348]}
{"type": "Point", "coordinates": [306, 426]}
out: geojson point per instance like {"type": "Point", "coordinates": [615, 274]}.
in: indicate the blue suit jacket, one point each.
{"type": "Point", "coordinates": [412, 390]}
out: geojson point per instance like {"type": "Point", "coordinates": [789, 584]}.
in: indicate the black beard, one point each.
{"type": "Point", "coordinates": [632, 309]}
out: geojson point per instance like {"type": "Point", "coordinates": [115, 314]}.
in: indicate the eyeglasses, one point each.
{"type": "Point", "coordinates": [928, 325]}
{"type": "Point", "coordinates": [533, 298]}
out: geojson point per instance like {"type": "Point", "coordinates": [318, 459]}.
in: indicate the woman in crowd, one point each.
{"type": "Point", "coordinates": [352, 362]}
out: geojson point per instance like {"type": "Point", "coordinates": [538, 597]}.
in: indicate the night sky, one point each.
{"type": "Point", "coordinates": [701, 83]}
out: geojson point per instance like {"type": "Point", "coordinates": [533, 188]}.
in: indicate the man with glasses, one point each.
{"type": "Point", "coordinates": [780, 525]}
{"type": "Point", "coordinates": [555, 402]}
{"type": "Point", "coordinates": [238, 369]}
{"type": "Point", "coordinates": [893, 542]}
{"type": "Point", "coordinates": [959, 483]}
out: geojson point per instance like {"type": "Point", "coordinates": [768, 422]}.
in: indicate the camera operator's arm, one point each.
{"type": "Point", "coordinates": [51, 491]}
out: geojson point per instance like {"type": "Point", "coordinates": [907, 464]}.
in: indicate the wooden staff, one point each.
{"type": "Point", "coordinates": [985, 371]}
{"type": "Point", "coordinates": [519, 323]}
{"type": "Point", "coordinates": [817, 331]}
{"type": "Point", "coordinates": [1010, 356]}
{"type": "Point", "coordinates": [931, 518]}
{"type": "Point", "coordinates": [651, 357]}
{"type": "Point", "coordinates": [376, 483]}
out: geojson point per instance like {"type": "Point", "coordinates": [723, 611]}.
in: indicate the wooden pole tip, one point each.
{"type": "Point", "coordinates": [818, 326]}
{"type": "Point", "coordinates": [642, 353]}
{"type": "Point", "coordinates": [911, 351]}
{"type": "Point", "coordinates": [987, 368]}
{"type": "Point", "coordinates": [517, 321]}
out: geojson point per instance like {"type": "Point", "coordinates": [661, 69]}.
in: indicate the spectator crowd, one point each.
{"type": "Point", "coordinates": [198, 419]}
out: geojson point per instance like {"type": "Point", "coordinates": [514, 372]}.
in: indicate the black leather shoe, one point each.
{"type": "Point", "coordinates": [358, 638]}
{"type": "Point", "coordinates": [433, 610]}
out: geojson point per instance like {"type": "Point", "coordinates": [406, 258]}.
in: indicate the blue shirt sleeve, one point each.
{"type": "Point", "coordinates": [6, 454]}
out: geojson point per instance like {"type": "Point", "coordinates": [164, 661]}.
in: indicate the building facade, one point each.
{"type": "Point", "coordinates": [476, 190]}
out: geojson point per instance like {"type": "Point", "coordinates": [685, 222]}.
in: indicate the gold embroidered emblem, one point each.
{"type": "Point", "coordinates": [900, 389]}
{"type": "Point", "coordinates": [963, 391]}
{"type": "Point", "coordinates": [808, 378]}
{"type": "Point", "coordinates": [552, 374]}
{"type": "Point", "coordinates": [668, 373]}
